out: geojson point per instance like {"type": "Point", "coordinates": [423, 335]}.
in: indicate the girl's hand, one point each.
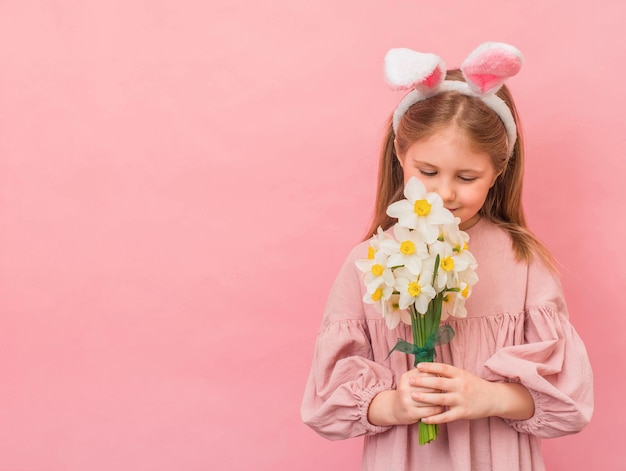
{"type": "Point", "coordinates": [400, 406]}
{"type": "Point", "coordinates": [467, 396]}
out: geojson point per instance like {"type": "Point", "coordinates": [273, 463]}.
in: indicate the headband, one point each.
{"type": "Point", "coordinates": [485, 71]}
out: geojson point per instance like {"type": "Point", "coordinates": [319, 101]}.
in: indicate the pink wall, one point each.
{"type": "Point", "coordinates": [180, 181]}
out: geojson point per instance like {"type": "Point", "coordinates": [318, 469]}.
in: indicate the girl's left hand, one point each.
{"type": "Point", "coordinates": [467, 396]}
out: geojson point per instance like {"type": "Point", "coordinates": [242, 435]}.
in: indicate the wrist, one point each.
{"type": "Point", "coordinates": [513, 401]}
{"type": "Point", "coordinates": [380, 410]}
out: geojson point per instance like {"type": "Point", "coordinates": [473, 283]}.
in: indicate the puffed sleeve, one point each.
{"type": "Point", "coordinates": [344, 378]}
{"type": "Point", "coordinates": [552, 362]}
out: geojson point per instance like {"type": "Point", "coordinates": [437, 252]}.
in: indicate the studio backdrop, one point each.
{"type": "Point", "coordinates": [180, 182]}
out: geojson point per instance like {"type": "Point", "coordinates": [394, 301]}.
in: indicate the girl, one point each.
{"type": "Point", "coordinates": [516, 370]}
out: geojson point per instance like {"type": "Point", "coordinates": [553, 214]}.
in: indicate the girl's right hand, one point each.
{"type": "Point", "coordinates": [399, 407]}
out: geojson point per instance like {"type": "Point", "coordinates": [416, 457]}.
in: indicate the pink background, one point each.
{"type": "Point", "coordinates": [181, 180]}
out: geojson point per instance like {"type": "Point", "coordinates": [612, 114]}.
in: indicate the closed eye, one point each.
{"type": "Point", "coordinates": [426, 173]}
{"type": "Point", "coordinates": [467, 179]}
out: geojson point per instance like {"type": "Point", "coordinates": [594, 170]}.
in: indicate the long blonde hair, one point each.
{"type": "Point", "coordinates": [482, 125]}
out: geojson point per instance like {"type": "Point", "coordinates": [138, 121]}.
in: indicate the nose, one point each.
{"type": "Point", "coordinates": [446, 190]}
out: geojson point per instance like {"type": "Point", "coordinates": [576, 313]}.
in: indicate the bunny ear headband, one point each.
{"type": "Point", "coordinates": [485, 71]}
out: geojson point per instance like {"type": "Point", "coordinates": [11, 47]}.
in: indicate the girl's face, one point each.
{"type": "Point", "coordinates": [446, 163]}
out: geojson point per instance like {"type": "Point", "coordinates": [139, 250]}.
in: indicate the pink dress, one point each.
{"type": "Point", "coordinates": [517, 329]}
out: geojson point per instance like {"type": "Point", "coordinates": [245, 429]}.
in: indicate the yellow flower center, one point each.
{"type": "Point", "coordinates": [376, 295]}
{"type": "Point", "coordinates": [465, 291]}
{"type": "Point", "coordinates": [377, 269]}
{"type": "Point", "coordinates": [407, 247]}
{"type": "Point", "coordinates": [371, 251]}
{"type": "Point", "coordinates": [422, 207]}
{"type": "Point", "coordinates": [447, 263]}
{"type": "Point", "coordinates": [414, 289]}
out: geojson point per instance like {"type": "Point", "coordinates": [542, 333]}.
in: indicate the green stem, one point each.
{"type": "Point", "coordinates": [423, 326]}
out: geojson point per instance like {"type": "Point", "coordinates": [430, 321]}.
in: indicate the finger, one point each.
{"type": "Point", "coordinates": [419, 403]}
{"type": "Point", "coordinates": [439, 399]}
{"type": "Point", "coordinates": [415, 373]}
{"type": "Point", "coordinates": [424, 399]}
{"type": "Point", "coordinates": [416, 379]}
{"type": "Point", "coordinates": [428, 411]}
{"type": "Point", "coordinates": [440, 369]}
{"type": "Point", "coordinates": [441, 418]}
{"type": "Point", "coordinates": [432, 384]}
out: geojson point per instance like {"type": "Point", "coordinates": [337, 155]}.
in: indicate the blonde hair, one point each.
{"type": "Point", "coordinates": [503, 205]}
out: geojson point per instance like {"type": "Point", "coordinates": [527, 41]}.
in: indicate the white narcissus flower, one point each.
{"type": "Point", "coordinates": [378, 277]}
{"type": "Point", "coordinates": [379, 297]}
{"type": "Point", "coordinates": [420, 210]}
{"type": "Point", "coordinates": [454, 301]}
{"type": "Point", "coordinates": [414, 289]}
{"type": "Point", "coordinates": [376, 271]}
{"type": "Point", "coordinates": [408, 249]}
{"type": "Point", "coordinates": [393, 313]}
{"type": "Point", "coordinates": [450, 264]}
{"type": "Point", "coordinates": [375, 241]}
{"type": "Point", "coordinates": [377, 238]}
{"type": "Point", "coordinates": [458, 239]}
{"type": "Point", "coordinates": [452, 234]}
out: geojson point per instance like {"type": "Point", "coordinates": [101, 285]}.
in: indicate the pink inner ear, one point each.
{"type": "Point", "coordinates": [488, 69]}
{"type": "Point", "coordinates": [484, 81]}
{"type": "Point", "coordinates": [430, 82]}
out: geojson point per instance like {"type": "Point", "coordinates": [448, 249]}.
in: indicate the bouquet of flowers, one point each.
{"type": "Point", "coordinates": [421, 273]}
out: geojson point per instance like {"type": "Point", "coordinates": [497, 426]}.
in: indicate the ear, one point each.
{"type": "Point", "coordinates": [489, 65]}
{"type": "Point", "coordinates": [406, 69]}
{"type": "Point", "coordinates": [495, 178]}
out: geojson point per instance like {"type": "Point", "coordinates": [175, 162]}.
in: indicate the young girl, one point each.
{"type": "Point", "coordinates": [516, 371]}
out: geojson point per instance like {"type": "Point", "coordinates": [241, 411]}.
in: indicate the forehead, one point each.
{"type": "Point", "coordinates": [450, 146]}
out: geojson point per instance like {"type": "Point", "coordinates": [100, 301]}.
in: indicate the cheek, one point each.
{"type": "Point", "coordinates": [478, 197]}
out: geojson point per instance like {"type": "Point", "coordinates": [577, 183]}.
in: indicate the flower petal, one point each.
{"type": "Point", "coordinates": [413, 264]}
{"type": "Point", "coordinates": [414, 190]}
{"type": "Point", "coordinates": [392, 319]}
{"type": "Point", "coordinates": [364, 265]}
{"type": "Point", "coordinates": [395, 210]}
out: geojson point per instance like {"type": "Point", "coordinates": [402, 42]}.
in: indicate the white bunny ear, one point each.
{"type": "Point", "coordinates": [489, 65]}
{"type": "Point", "coordinates": [405, 69]}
